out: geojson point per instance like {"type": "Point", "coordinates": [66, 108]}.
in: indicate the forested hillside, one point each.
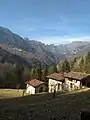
{"type": "Point", "coordinates": [80, 64]}
{"type": "Point", "coordinates": [14, 75]}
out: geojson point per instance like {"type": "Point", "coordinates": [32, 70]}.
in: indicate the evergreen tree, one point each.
{"type": "Point", "coordinates": [65, 66]}
{"type": "Point", "coordinates": [36, 74]}
{"type": "Point", "coordinates": [55, 69]}
{"type": "Point", "coordinates": [44, 74]}
{"type": "Point", "coordinates": [51, 70]}
{"type": "Point", "coordinates": [39, 72]}
{"type": "Point", "coordinates": [20, 80]}
{"type": "Point", "coordinates": [81, 65]}
{"type": "Point", "coordinates": [73, 62]}
{"type": "Point", "coordinates": [10, 78]}
{"type": "Point", "coordinates": [26, 74]}
{"type": "Point", "coordinates": [87, 63]}
{"type": "Point", "coordinates": [32, 73]}
{"type": "Point", "coordinates": [59, 66]}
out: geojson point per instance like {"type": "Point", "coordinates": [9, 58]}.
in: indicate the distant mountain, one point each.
{"type": "Point", "coordinates": [6, 57]}
{"type": "Point", "coordinates": [76, 48]}
{"type": "Point", "coordinates": [35, 52]}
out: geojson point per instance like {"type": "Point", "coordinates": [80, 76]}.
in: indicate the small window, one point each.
{"type": "Point", "coordinates": [59, 86]}
{"type": "Point", "coordinates": [70, 85]}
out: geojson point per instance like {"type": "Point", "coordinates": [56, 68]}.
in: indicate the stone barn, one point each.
{"type": "Point", "coordinates": [35, 86]}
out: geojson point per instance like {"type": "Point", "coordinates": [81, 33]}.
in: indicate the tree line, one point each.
{"type": "Point", "coordinates": [15, 75]}
{"type": "Point", "coordinates": [77, 64]}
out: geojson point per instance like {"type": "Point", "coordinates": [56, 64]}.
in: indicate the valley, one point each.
{"type": "Point", "coordinates": [36, 53]}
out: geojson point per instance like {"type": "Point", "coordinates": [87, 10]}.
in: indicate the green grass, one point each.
{"type": "Point", "coordinates": [9, 93]}
{"type": "Point", "coordinates": [38, 107]}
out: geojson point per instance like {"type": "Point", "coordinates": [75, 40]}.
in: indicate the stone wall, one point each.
{"type": "Point", "coordinates": [73, 84]}
{"type": "Point", "coordinates": [54, 85]}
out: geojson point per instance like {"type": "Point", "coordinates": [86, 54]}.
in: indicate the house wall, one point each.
{"type": "Point", "coordinates": [75, 84]}
{"type": "Point", "coordinates": [87, 81]}
{"type": "Point", "coordinates": [53, 84]}
{"type": "Point", "coordinates": [30, 89]}
{"type": "Point", "coordinates": [41, 88]}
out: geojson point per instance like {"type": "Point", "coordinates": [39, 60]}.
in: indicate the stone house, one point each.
{"type": "Point", "coordinates": [68, 81]}
{"type": "Point", "coordinates": [35, 86]}
{"type": "Point", "coordinates": [55, 82]}
{"type": "Point", "coordinates": [77, 80]}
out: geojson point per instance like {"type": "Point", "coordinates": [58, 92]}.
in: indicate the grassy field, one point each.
{"type": "Point", "coordinates": [37, 107]}
{"type": "Point", "coordinates": [10, 93]}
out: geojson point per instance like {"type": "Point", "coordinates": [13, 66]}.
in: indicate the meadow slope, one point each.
{"type": "Point", "coordinates": [67, 106]}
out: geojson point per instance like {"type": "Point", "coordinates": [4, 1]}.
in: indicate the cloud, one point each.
{"type": "Point", "coordinates": [62, 18]}
{"type": "Point", "coordinates": [51, 39]}
{"type": "Point", "coordinates": [31, 29]}
{"type": "Point", "coordinates": [60, 40]}
{"type": "Point", "coordinates": [80, 38]}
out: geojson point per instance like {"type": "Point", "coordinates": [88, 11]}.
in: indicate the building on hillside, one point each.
{"type": "Point", "coordinates": [56, 81]}
{"type": "Point", "coordinates": [68, 81]}
{"type": "Point", "coordinates": [77, 80]}
{"type": "Point", "coordinates": [35, 86]}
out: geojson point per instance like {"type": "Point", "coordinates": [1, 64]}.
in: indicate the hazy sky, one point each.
{"type": "Point", "coordinates": [50, 21]}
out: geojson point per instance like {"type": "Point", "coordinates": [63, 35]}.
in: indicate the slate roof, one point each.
{"type": "Point", "coordinates": [35, 82]}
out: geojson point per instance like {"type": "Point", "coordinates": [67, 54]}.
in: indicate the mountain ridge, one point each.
{"type": "Point", "coordinates": [32, 50]}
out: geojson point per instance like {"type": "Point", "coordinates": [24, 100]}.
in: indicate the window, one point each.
{"type": "Point", "coordinates": [70, 85]}
{"type": "Point", "coordinates": [59, 86]}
